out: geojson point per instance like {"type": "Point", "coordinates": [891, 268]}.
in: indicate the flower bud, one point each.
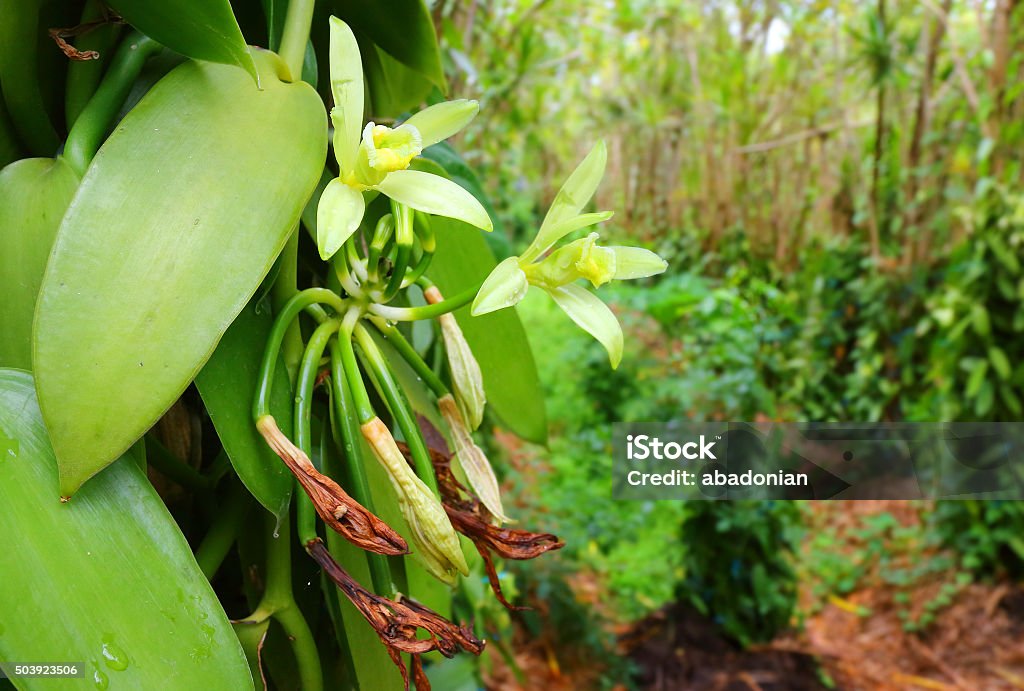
{"type": "Point", "coordinates": [475, 465]}
{"type": "Point", "coordinates": [432, 533]}
{"type": "Point", "coordinates": [467, 380]}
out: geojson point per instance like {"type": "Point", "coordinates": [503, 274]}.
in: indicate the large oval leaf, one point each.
{"type": "Point", "coordinates": [107, 579]}
{"type": "Point", "coordinates": [227, 384]}
{"type": "Point", "coordinates": [34, 194]}
{"type": "Point", "coordinates": [200, 29]}
{"type": "Point", "coordinates": [402, 28]}
{"type": "Point", "coordinates": [177, 220]}
{"type": "Point", "coordinates": [498, 340]}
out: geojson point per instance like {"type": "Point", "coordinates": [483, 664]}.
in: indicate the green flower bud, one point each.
{"type": "Point", "coordinates": [467, 380]}
{"type": "Point", "coordinates": [437, 545]}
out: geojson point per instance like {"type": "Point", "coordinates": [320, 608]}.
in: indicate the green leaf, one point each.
{"type": "Point", "coordinates": [20, 36]}
{"type": "Point", "coordinates": [433, 194]}
{"type": "Point", "coordinates": [1000, 363]}
{"type": "Point", "coordinates": [199, 29]}
{"type": "Point", "coordinates": [393, 88]}
{"type": "Point", "coordinates": [177, 220]}
{"type": "Point", "coordinates": [109, 572]}
{"type": "Point", "coordinates": [227, 384]}
{"type": "Point", "coordinates": [402, 28]}
{"type": "Point", "coordinates": [34, 194]}
{"type": "Point", "coordinates": [498, 340]}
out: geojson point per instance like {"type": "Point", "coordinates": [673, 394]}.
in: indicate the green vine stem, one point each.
{"type": "Point", "coordinates": [84, 75]}
{"type": "Point", "coordinates": [223, 532]}
{"type": "Point", "coordinates": [92, 125]}
{"type": "Point", "coordinates": [297, 23]}
{"type": "Point", "coordinates": [403, 416]}
{"type": "Point", "coordinates": [278, 602]}
{"type": "Point", "coordinates": [409, 354]}
{"type": "Point", "coordinates": [305, 514]}
{"type": "Point", "coordinates": [360, 398]}
{"type": "Point", "coordinates": [346, 435]}
{"type": "Point", "coordinates": [304, 300]}
{"type": "Point", "coordinates": [408, 314]}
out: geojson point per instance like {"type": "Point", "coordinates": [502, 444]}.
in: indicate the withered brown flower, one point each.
{"type": "Point", "coordinates": [469, 517]}
{"type": "Point", "coordinates": [337, 509]}
{"type": "Point", "coordinates": [397, 622]}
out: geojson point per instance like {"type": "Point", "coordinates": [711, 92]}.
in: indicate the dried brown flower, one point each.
{"type": "Point", "coordinates": [397, 622]}
{"type": "Point", "coordinates": [470, 518]}
{"type": "Point", "coordinates": [337, 509]}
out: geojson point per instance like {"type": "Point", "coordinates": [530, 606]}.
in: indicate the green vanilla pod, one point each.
{"type": "Point", "coordinates": [179, 217]}
{"type": "Point", "coordinates": [34, 194]}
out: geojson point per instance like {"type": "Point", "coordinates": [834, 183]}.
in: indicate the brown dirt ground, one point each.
{"type": "Point", "coordinates": [977, 643]}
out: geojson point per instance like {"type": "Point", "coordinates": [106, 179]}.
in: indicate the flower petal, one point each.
{"type": "Point", "coordinates": [505, 286]}
{"type": "Point", "coordinates": [636, 262]}
{"type": "Point", "coordinates": [553, 233]}
{"type": "Point", "coordinates": [593, 316]}
{"type": "Point", "coordinates": [573, 196]}
{"type": "Point", "coordinates": [436, 195]}
{"type": "Point", "coordinates": [337, 216]}
{"type": "Point", "coordinates": [347, 88]}
{"type": "Point", "coordinates": [442, 120]}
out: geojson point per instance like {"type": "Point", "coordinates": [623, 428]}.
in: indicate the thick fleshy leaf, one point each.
{"type": "Point", "coordinates": [347, 88]}
{"type": "Point", "coordinates": [435, 195]}
{"type": "Point", "coordinates": [393, 88]}
{"type": "Point", "coordinates": [498, 340]}
{"type": "Point", "coordinates": [109, 572]}
{"type": "Point", "coordinates": [338, 215]}
{"type": "Point", "coordinates": [636, 262]}
{"type": "Point", "coordinates": [549, 236]}
{"type": "Point", "coordinates": [34, 194]}
{"type": "Point", "coordinates": [593, 316]}
{"type": "Point", "coordinates": [504, 287]}
{"type": "Point", "coordinates": [170, 233]}
{"type": "Point", "coordinates": [571, 198]}
{"type": "Point", "coordinates": [442, 120]}
{"type": "Point", "coordinates": [20, 37]}
{"type": "Point", "coordinates": [199, 29]}
{"type": "Point", "coordinates": [227, 384]}
{"type": "Point", "coordinates": [402, 28]}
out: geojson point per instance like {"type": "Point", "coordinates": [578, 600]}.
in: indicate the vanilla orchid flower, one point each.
{"type": "Point", "coordinates": [558, 272]}
{"type": "Point", "coordinates": [377, 157]}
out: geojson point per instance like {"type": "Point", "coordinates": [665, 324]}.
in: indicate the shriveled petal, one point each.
{"type": "Point", "coordinates": [442, 120]}
{"type": "Point", "coordinates": [593, 316]}
{"type": "Point", "coordinates": [347, 88]}
{"type": "Point", "coordinates": [338, 216]}
{"type": "Point", "coordinates": [471, 457]}
{"type": "Point", "coordinates": [636, 262]}
{"type": "Point", "coordinates": [435, 195]}
{"type": "Point", "coordinates": [571, 199]}
{"type": "Point", "coordinates": [505, 286]}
